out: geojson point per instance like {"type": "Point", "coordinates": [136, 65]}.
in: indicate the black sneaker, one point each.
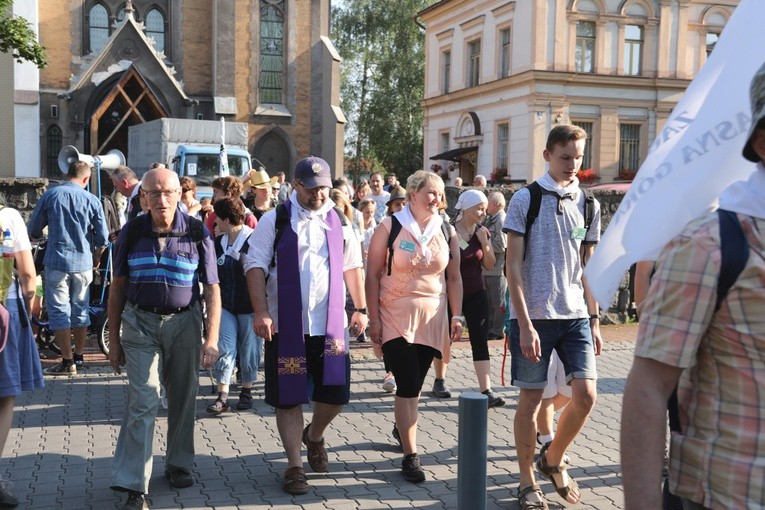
{"type": "Point", "coordinates": [410, 468]}
{"type": "Point", "coordinates": [7, 498]}
{"type": "Point", "coordinates": [440, 390]}
{"type": "Point", "coordinates": [79, 361]}
{"type": "Point", "coordinates": [66, 367]}
{"type": "Point", "coordinates": [397, 437]}
{"type": "Point", "coordinates": [179, 479]}
{"type": "Point", "coordinates": [494, 399]}
{"type": "Point", "coordinates": [135, 501]}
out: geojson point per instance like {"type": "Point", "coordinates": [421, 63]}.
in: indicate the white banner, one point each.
{"type": "Point", "coordinates": [223, 170]}
{"type": "Point", "coordinates": [695, 157]}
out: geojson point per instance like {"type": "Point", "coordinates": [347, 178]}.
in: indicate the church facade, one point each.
{"type": "Point", "coordinates": [113, 64]}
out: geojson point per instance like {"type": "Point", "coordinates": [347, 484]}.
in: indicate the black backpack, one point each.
{"type": "Point", "coordinates": [283, 219]}
{"type": "Point", "coordinates": [535, 190]}
{"type": "Point", "coordinates": [395, 228]}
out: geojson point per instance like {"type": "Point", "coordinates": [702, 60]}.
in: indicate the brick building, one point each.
{"type": "Point", "coordinates": [112, 64]}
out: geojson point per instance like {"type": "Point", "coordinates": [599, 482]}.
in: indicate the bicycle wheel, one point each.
{"type": "Point", "coordinates": [102, 331]}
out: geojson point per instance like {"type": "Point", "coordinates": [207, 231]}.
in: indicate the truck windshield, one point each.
{"type": "Point", "coordinates": [206, 167]}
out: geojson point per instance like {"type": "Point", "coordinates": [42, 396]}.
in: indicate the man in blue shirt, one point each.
{"type": "Point", "coordinates": [77, 236]}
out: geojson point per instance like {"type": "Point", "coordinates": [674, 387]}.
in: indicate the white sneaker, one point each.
{"type": "Point", "coordinates": [389, 383]}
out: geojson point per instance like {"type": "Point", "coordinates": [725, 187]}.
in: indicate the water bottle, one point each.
{"type": "Point", "coordinates": [7, 244]}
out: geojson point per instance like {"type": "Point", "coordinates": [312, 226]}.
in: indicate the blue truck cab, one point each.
{"type": "Point", "coordinates": [203, 165]}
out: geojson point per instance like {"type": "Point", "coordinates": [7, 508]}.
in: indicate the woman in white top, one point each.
{"type": "Point", "coordinates": [19, 360]}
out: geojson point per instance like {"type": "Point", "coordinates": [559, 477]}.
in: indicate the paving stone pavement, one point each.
{"type": "Point", "coordinates": [60, 449]}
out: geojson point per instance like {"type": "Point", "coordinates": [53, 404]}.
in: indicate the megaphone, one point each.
{"type": "Point", "coordinates": [108, 161]}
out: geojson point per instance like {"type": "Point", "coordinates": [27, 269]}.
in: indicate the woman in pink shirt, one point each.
{"type": "Point", "coordinates": [408, 304]}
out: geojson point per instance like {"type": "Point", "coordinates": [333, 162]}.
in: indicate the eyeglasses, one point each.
{"type": "Point", "coordinates": [155, 194]}
{"type": "Point", "coordinates": [317, 189]}
{"type": "Point", "coordinates": [184, 190]}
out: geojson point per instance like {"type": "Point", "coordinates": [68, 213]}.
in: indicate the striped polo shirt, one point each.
{"type": "Point", "coordinates": [168, 277]}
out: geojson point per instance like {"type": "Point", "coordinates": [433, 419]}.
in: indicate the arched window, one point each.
{"type": "Point", "coordinates": [271, 51]}
{"type": "Point", "coordinates": [53, 138]}
{"type": "Point", "coordinates": [155, 29]}
{"type": "Point", "coordinates": [98, 27]}
{"type": "Point", "coordinates": [121, 13]}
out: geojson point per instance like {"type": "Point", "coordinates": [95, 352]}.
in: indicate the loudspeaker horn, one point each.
{"type": "Point", "coordinates": [108, 161]}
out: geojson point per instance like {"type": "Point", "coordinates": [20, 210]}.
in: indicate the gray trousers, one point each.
{"type": "Point", "coordinates": [495, 291]}
{"type": "Point", "coordinates": [155, 346]}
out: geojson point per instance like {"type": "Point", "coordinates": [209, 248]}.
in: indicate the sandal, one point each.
{"type": "Point", "coordinates": [295, 481]}
{"type": "Point", "coordinates": [245, 400]}
{"type": "Point", "coordinates": [218, 407]}
{"type": "Point", "coordinates": [530, 504]}
{"type": "Point", "coordinates": [571, 489]}
{"type": "Point", "coordinates": [317, 454]}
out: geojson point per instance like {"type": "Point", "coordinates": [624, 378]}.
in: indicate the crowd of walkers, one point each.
{"type": "Point", "coordinates": [283, 281]}
{"type": "Point", "coordinates": [296, 274]}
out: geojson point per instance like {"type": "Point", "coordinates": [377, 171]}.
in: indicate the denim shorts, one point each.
{"type": "Point", "coordinates": [67, 296]}
{"type": "Point", "coordinates": [571, 339]}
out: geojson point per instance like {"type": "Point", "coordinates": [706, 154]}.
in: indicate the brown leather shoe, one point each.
{"type": "Point", "coordinates": [317, 454]}
{"type": "Point", "coordinates": [295, 481]}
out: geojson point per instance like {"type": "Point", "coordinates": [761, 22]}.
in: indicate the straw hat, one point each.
{"type": "Point", "coordinates": [260, 180]}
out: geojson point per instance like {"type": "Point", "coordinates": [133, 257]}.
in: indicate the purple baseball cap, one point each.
{"type": "Point", "coordinates": [313, 172]}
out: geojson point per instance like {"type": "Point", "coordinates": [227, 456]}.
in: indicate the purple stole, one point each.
{"type": "Point", "coordinates": [292, 370]}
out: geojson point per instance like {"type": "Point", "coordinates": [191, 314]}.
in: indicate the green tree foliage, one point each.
{"type": "Point", "coordinates": [382, 48]}
{"type": "Point", "coordinates": [18, 38]}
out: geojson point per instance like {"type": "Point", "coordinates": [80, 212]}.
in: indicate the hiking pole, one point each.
{"type": "Point", "coordinates": [471, 464]}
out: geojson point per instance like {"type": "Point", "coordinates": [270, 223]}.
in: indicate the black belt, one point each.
{"type": "Point", "coordinates": [162, 311]}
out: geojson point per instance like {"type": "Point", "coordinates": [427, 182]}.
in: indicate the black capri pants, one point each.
{"type": "Point", "coordinates": [475, 306]}
{"type": "Point", "coordinates": [409, 364]}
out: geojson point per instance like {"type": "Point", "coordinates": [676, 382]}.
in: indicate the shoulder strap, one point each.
{"type": "Point", "coordinates": [196, 230]}
{"type": "Point", "coordinates": [535, 190]}
{"type": "Point", "coordinates": [134, 231]}
{"type": "Point", "coordinates": [342, 216]}
{"type": "Point", "coordinates": [734, 250]}
{"type": "Point", "coordinates": [395, 228]}
{"type": "Point", "coordinates": [282, 220]}
{"type": "Point", "coordinates": [589, 208]}
{"type": "Point", "coordinates": [218, 246]}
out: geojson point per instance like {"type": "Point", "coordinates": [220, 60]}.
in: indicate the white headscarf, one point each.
{"type": "Point", "coordinates": [468, 199]}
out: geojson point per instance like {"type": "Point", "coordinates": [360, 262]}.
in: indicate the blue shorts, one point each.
{"type": "Point", "coordinates": [67, 297]}
{"type": "Point", "coordinates": [571, 339]}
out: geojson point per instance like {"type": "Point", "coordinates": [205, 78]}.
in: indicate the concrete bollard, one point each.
{"type": "Point", "coordinates": [471, 460]}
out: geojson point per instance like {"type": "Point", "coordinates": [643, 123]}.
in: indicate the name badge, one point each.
{"type": "Point", "coordinates": [463, 244]}
{"type": "Point", "coordinates": [407, 246]}
{"type": "Point", "coordinates": [578, 233]}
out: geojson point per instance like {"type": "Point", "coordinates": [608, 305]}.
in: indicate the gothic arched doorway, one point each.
{"type": "Point", "coordinates": [127, 102]}
{"type": "Point", "coordinates": [274, 152]}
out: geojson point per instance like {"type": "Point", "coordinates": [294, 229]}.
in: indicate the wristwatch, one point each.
{"type": "Point", "coordinates": [361, 310]}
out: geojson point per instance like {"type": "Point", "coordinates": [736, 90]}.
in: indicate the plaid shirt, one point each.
{"type": "Point", "coordinates": [719, 459]}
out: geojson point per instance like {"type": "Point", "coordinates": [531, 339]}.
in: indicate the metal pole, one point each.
{"type": "Point", "coordinates": [471, 463]}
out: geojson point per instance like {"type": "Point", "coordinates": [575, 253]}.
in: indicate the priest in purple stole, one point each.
{"type": "Point", "coordinates": [302, 257]}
